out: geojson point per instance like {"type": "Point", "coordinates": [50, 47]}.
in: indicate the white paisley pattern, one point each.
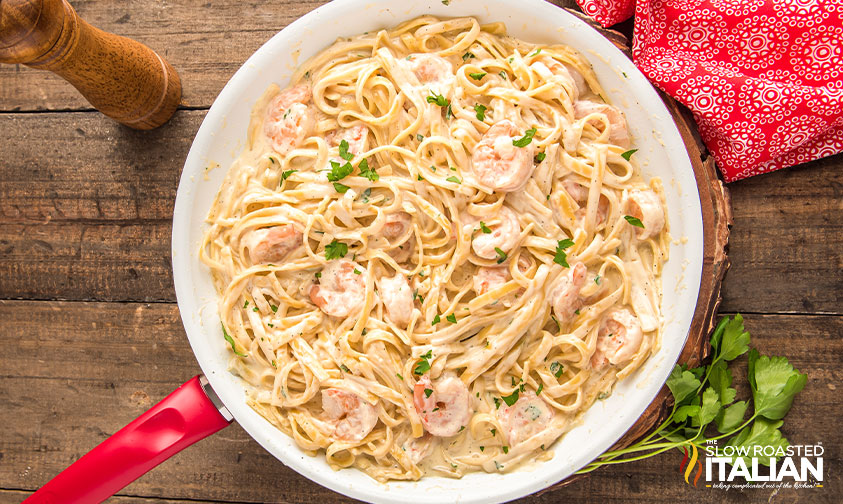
{"type": "Point", "coordinates": [763, 78]}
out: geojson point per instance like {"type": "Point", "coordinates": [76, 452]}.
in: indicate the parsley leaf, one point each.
{"type": "Point", "coordinates": [477, 76]}
{"type": "Point", "coordinates": [557, 369]}
{"type": "Point", "coordinates": [230, 341]}
{"type": "Point", "coordinates": [540, 157]}
{"type": "Point", "coordinates": [438, 99]}
{"type": "Point", "coordinates": [436, 319]}
{"type": "Point", "coordinates": [682, 384]}
{"type": "Point", "coordinates": [341, 188]}
{"type": "Point", "coordinates": [344, 151]}
{"type": "Point", "coordinates": [733, 340]}
{"type": "Point", "coordinates": [763, 433]}
{"type": "Point", "coordinates": [367, 172]}
{"type": "Point", "coordinates": [454, 179]}
{"type": "Point", "coordinates": [335, 250]}
{"type": "Point", "coordinates": [345, 368]}
{"type": "Point", "coordinates": [452, 318]}
{"type": "Point", "coordinates": [484, 228]}
{"type": "Point", "coordinates": [720, 379]}
{"type": "Point", "coordinates": [481, 111]}
{"type": "Point", "coordinates": [427, 392]}
{"type": "Point", "coordinates": [339, 172]}
{"type": "Point", "coordinates": [510, 399]}
{"type": "Point", "coordinates": [561, 256]}
{"type": "Point", "coordinates": [730, 418]}
{"type": "Point", "coordinates": [423, 365]}
{"type": "Point", "coordinates": [526, 139]}
{"type": "Point", "coordinates": [774, 383]}
{"type": "Point", "coordinates": [539, 390]}
{"type": "Point", "coordinates": [635, 221]}
{"type": "Point", "coordinates": [710, 406]}
{"type": "Point", "coordinates": [468, 56]}
{"type": "Point", "coordinates": [628, 154]}
{"type": "Point", "coordinates": [285, 175]}
{"type": "Point", "coordinates": [501, 255]}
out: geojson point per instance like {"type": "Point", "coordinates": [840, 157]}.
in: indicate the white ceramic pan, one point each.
{"type": "Point", "coordinates": [192, 412]}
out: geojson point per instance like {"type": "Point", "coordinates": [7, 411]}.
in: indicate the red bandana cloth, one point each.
{"type": "Point", "coordinates": [764, 78]}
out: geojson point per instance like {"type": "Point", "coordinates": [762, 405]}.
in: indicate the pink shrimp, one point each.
{"type": "Point", "coordinates": [444, 407]}
{"type": "Point", "coordinates": [352, 417]}
{"type": "Point", "coordinates": [565, 297]}
{"type": "Point", "coordinates": [433, 71]}
{"type": "Point", "coordinates": [419, 448]}
{"type": "Point", "coordinates": [273, 244]}
{"type": "Point", "coordinates": [356, 136]}
{"type": "Point", "coordinates": [526, 418]}
{"type": "Point", "coordinates": [618, 338]}
{"type": "Point", "coordinates": [341, 289]}
{"type": "Point", "coordinates": [397, 298]}
{"type": "Point", "coordinates": [498, 163]}
{"type": "Point", "coordinates": [398, 232]}
{"type": "Point", "coordinates": [647, 207]}
{"type": "Point", "coordinates": [503, 236]}
{"type": "Point", "coordinates": [289, 119]}
{"type": "Point", "coordinates": [618, 133]}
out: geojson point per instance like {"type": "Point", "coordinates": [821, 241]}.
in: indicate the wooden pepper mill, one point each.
{"type": "Point", "coordinates": [123, 79]}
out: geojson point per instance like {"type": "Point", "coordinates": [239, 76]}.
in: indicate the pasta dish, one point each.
{"type": "Point", "coordinates": [436, 251]}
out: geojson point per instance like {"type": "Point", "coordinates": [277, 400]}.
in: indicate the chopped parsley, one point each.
{"type": "Point", "coordinates": [484, 228]}
{"type": "Point", "coordinates": [557, 369]}
{"type": "Point", "coordinates": [577, 311]}
{"type": "Point", "coordinates": [477, 76]}
{"type": "Point", "coordinates": [399, 376]}
{"type": "Point", "coordinates": [345, 368]}
{"type": "Point", "coordinates": [539, 390]}
{"type": "Point", "coordinates": [635, 221]}
{"type": "Point", "coordinates": [341, 188]}
{"type": "Point", "coordinates": [481, 112]}
{"type": "Point", "coordinates": [438, 100]}
{"type": "Point", "coordinates": [501, 255]}
{"type": "Point", "coordinates": [246, 304]}
{"type": "Point", "coordinates": [285, 175]}
{"type": "Point", "coordinates": [427, 392]}
{"type": "Point", "coordinates": [510, 399]}
{"type": "Point", "coordinates": [270, 325]}
{"type": "Point", "coordinates": [628, 154]}
{"type": "Point", "coordinates": [497, 406]}
{"type": "Point", "coordinates": [446, 2]}
{"type": "Point", "coordinates": [535, 52]}
{"type": "Point", "coordinates": [467, 56]}
{"type": "Point", "coordinates": [335, 250]}
{"type": "Point", "coordinates": [526, 139]}
{"type": "Point", "coordinates": [561, 256]}
{"type": "Point", "coordinates": [366, 171]}
{"type": "Point", "coordinates": [540, 157]}
{"type": "Point", "coordinates": [452, 318]}
{"type": "Point", "coordinates": [419, 137]}
{"type": "Point", "coordinates": [597, 279]}
{"type": "Point", "coordinates": [357, 271]}
{"type": "Point", "coordinates": [230, 341]}
{"type": "Point", "coordinates": [366, 194]}
{"type": "Point", "coordinates": [558, 325]}
{"type": "Point", "coordinates": [454, 179]}
{"type": "Point", "coordinates": [436, 319]}
{"type": "Point", "coordinates": [505, 449]}
{"type": "Point", "coordinates": [339, 172]}
{"type": "Point", "coordinates": [494, 431]}
{"type": "Point", "coordinates": [273, 308]}
{"type": "Point", "coordinates": [344, 151]}
{"type": "Point", "coordinates": [502, 74]}
{"type": "Point", "coordinates": [424, 364]}
{"type": "Point", "coordinates": [482, 448]}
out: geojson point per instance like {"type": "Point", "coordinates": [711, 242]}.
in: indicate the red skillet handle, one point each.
{"type": "Point", "coordinates": [181, 419]}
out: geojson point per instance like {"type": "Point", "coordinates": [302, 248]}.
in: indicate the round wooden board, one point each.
{"type": "Point", "coordinates": [717, 219]}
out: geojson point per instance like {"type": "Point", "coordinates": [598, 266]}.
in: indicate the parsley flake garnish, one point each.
{"type": "Point", "coordinates": [537, 51]}
{"type": "Point", "coordinates": [454, 179]}
{"type": "Point", "coordinates": [635, 221]}
{"type": "Point", "coordinates": [452, 318]}
{"type": "Point", "coordinates": [339, 172]}
{"type": "Point", "coordinates": [419, 137]}
{"type": "Point", "coordinates": [505, 449]}
{"type": "Point", "coordinates": [246, 304]}
{"type": "Point", "coordinates": [436, 319]}
{"type": "Point", "coordinates": [345, 368]}
{"type": "Point", "coordinates": [526, 139]}
{"type": "Point", "coordinates": [341, 188]}
{"type": "Point", "coordinates": [477, 76]}
{"type": "Point", "coordinates": [628, 154]}
{"type": "Point", "coordinates": [399, 376]}
{"type": "Point", "coordinates": [344, 151]}
{"type": "Point", "coordinates": [501, 255]}
{"type": "Point", "coordinates": [561, 256]}
{"type": "Point", "coordinates": [285, 175]}
{"type": "Point", "coordinates": [481, 112]}
{"type": "Point", "coordinates": [230, 341]}
{"type": "Point", "coordinates": [540, 157]}
{"type": "Point", "coordinates": [539, 390]}
{"type": "Point", "coordinates": [366, 171]}
{"type": "Point", "coordinates": [467, 56]}
{"type": "Point", "coordinates": [424, 364]}
{"type": "Point", "coordinates": [597, 279]}
{"type": "Point", "coordinates": [273, 308]}
{"type": "Point", "coordinates": [427, 392]}
{"type": "Point", "coordinates": [510, 399]}
{"type": "Point", "coordinates": [438, 100]}
{"type": "Point", "coordinates": [484, 228]}
{"type": "Point", "coordinates": [502, 74]}
{"type": "Point", "coordinates": [557, 369]}
{"type": "Point", "coordinates": [335, 250]}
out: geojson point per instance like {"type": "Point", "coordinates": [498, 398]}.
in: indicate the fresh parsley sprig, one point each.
{"type": "Point", "coordinates": [704, 402]}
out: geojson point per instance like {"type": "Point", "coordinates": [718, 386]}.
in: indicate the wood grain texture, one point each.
{"type": "Point", "coordinates": [76, 372]}
{"type": "Point", "coordinates": [70, 177]}
{"type": "Point", "coordinates": [122, 78]}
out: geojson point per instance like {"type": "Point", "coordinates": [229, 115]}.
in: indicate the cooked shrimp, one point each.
{"type": "Point", "coordinates": [341, 289]}
{"type": "Point", "coordinates": [565, 298]}
{"type": "Point", "coordinates": [647, 207]}
{"type": "Point", "coordinates": [579, 193]}
{"type": "Point", "coordinates": [618, 133]}
{"type": "Point", "coordinates": [499, 164]}
{"type": "Point", "coordinates": [434, 72]}
{"type": "Point", "coordinates": [504, 235]}
{"type": "Point", "coordinates": [397, 298]}
{"type": "Point", "coordinates": [353, 418]}
{"type": "Point", "coordinates": [356, 136]}
{"type": "Point", "coordinates": [397, 232]}
{"type": "Point", "coordinates": [618, 338]}
{"type": "Point", "coordinates": [289, 119]}
{"type": "Point", "coordinates": [273, 244]}
{"type": "Point", "coordinates": [444, 407]}
{"type": "Point", "coordinates": [526, 418]}
{"type": "Point", "coordinates": [419, 448]}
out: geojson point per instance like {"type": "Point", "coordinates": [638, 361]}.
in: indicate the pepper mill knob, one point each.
{"type": "Point", "coordinates": [122, 78]}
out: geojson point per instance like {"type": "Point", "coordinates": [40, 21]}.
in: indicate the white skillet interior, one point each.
{"type": "Point", "coordinates": [661, 153]}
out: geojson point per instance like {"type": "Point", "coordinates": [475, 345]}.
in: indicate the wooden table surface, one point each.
{"type": "Point", "coordinates": [91, 334]}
